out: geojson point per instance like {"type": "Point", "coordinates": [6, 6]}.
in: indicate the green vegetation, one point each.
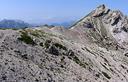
{"type": "Point", "coordinates": [37, 33]}
{"type": "Point", "coordinates": [72, 56]}
{"type": "Point", "coordinates": [9, 28]}
{"type": "Point", "coordinates": [41, 44]}
{"type": "Point", "coordinates": [3, 28]}
{"type": "Point", "coordinates": [40, 33]}
{"type": "Point", "coordinates": [15, 29]}
{"type": "Point", "coordinates": [47, 43]}
{"type": "Point", "coordinates": [46, 25]}
{"type": "Point", "coordinates": [26, 38]}
{"type": "Point", "coordinates": [60, 46]}
{"type": "Point", "coordinates": [76, 59]}
{"type": "Point", "coordinates": [55, 49]}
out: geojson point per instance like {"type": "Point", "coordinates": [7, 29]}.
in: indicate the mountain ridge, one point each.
{"type": "Point", "coordinates": [95, 49]}
{"type": "Point", "coordinates": [9, 23]}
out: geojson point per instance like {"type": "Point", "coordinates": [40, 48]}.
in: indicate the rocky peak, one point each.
{"type": "Point", "coordinates": [100, 10]}
{"type": "Point", "coordinates": [103, 23]}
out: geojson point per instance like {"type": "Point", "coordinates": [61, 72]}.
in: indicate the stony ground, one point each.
{"type": "Point", "coordinates": [93, 50]}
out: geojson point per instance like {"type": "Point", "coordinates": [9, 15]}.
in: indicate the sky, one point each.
{"type": "Point", "coordinates": [52, 11]}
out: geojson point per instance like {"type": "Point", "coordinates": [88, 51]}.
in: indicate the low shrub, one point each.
{"type": "Point", "coordinates": [60, 46]}
{"type": "Point", "coordinates": [26, 38]}
{"type": "Point", "coordinates": [47, 43]}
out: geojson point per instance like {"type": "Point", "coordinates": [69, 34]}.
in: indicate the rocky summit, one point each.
{"type": "Point", "coordinates": [95, 49]}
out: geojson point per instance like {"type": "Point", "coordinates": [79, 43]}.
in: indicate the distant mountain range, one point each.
{"type": "Point", "coordinates": [7, 23]}
{"type": "Point", "coordinates": [13, 24]}
{"type": "Point", "coordinates": [65, 24]}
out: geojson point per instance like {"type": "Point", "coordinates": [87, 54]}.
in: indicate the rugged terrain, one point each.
{"type": "Point", "coordinates": [92, 50]}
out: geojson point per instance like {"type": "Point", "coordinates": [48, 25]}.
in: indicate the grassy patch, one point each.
{"type": "Point", "coordinates": [47, 43]}
{"type": "Point", "coordinates": [72, 56]}
{"type": "Point", "coordinates": [60, 46]}
{"type": "Point", "coordinates": [76, 59]}
{"type": "Point", "coordinates": [26, 38]}
{"type": "Point", "coordinates": [38, 33]}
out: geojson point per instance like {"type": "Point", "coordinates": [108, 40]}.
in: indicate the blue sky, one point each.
{"type": "Point", "coordinates": [48, 11]}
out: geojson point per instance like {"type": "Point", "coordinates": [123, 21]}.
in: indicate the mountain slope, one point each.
{"type": "Point", "coordinates": [90, 51]}
{"type": "Point", "coordinates": [13, 24]}
{"type": "Point", "coordinates": [103, 24]}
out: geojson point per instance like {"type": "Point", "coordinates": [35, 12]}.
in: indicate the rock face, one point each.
{"type": "Point", "coordinates": [105, 24]}
{"type": "Point", "coordinates": [95, 49]}
{"type": "Point", "coordinates": [100, 11]}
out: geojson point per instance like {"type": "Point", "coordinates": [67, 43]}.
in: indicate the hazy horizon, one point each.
{"type": "Point", "coordinates": [53, 11]}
